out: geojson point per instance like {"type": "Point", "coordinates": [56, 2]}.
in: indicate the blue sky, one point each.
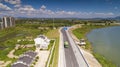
{"type": "Point", "coordinates": [60, 8]}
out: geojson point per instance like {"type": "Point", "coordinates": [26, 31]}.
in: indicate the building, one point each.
{"type": "Point", "coordinates": [42, 42]}
{"type": "Point", "coordinates": [82, 42]}
{"type": "Point", "coordinates": [1, 25]}
{"type": "Point", "coordinates": [8, 22]}
{"type": "Point", "coordinates": [25, 60]}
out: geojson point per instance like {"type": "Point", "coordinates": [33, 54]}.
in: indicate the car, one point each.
{"type": "Point", "coordinates": [66, 44]}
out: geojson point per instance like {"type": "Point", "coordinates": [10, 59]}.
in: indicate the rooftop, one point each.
{"type": "Point", "coordinates": [32, 54]}
{"type": "Point", "coordinates": [25, 59]}
{"type": "Point", "coordinates": [19, 65]}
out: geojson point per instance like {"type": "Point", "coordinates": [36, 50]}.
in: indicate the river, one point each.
{"type": "Point", "coordinates": [106, 41]}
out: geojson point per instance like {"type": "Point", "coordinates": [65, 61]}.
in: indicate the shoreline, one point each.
{"type": "Point", "coordinates": [97, 58]}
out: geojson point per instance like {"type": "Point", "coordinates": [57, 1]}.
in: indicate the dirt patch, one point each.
{"type": "Point", "coordinates": [4, 64]}
{"type": "Point", "coordinates": [43, 56]}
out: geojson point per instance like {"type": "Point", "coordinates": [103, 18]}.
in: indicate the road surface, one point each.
{"type": "Point", "coordinates": [73, 56]}
{"type": "Point", "coordinates": [69, 54]}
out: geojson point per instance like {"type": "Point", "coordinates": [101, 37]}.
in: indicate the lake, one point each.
{"type": "Point", "coordinates": [106, 41]}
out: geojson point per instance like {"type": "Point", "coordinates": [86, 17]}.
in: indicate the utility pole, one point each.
{"type": "Point", "coordinates": [53, 24]}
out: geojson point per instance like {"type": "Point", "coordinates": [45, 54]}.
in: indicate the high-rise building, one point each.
{"type": "Point", "coordinates": [12, 21]}
{"type": "Point", "coordinates": [0, 25]}
{"type": "Point", "coordinates": [8, 22]}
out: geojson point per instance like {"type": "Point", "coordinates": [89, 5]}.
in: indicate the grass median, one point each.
{"type": "Point", "coordinates": [54, 34]}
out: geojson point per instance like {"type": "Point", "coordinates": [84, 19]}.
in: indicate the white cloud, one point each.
{"type": "Point", "coordinates": [104, 14]}
{"type": "Point", "coordinates": [4, 7]}
{"type": "Point", "coordinates": [26, 8]}
{"type": "Point", "coordinates": [29, 11]}
{"type": "Point", "coordinates": [13, 1]}
{"type": "Point", "coordinates": [43, 7]}
{"type": "Point", "coordinates": [17, 5]}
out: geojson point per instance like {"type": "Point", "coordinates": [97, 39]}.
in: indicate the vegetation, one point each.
{"type": "Point", "coordinates": [104, 62]}
{"type": "Point", "coordinates": [9, 37]}
{"type": "Point", "coordinates": [31, 28]}
{"type": "Point", "coordinates": [44, 22]}
{"type": "Point", "coordinates": [23, 49]}
{"type": "Point", "coordinates": [36, 59]}
{"type": "Point", "coordinates": [26, 42]}
{"type": "Point", "coordinates": [51, 44]}
{"type": "Point", "coordinates": [55, 54]}
{"type": "Point", "coordinates": [81, 33]}
{"type": "Point", "coordinates": [6, 47]}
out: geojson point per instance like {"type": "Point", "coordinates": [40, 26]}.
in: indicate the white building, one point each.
{"type": "Point", "coordinates": [42, 42]}
{"type": "Point", "coordinates": [82, 42]}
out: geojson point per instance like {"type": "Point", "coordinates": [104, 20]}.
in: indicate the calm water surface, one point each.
{"type": "Point", "coordinates": [106, 41]}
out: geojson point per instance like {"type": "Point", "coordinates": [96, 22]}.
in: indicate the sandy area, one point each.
{"type": "Point", "coordinates": [43, 56]}
{"type": "Point", "coordinates": [11, 53]}
{"type": "Point", "coordinates": [4, 64]}
{"type": "Point", "coordinates": [91, 60]}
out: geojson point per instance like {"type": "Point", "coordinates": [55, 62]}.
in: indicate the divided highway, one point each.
{"type": "Point", "coordinates": [69, 54]}
{"type": "Point", "coordinates": [73, 55]}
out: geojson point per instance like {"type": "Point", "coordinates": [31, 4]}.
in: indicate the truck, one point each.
{"type": "Point", "coordinates": [66, 44]}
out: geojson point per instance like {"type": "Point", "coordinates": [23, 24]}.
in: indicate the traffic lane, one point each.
{"type": "Point", "coordinates": [79, 56]}
{"type": "Point", "coordinates": [69, 54]}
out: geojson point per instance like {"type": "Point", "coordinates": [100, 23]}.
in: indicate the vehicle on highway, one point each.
{"type": "Point", "coordinates": [66, 44]}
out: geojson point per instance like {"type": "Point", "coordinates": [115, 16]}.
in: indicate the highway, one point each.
{"type": "Point", "coordinates": [69, 54]}
{"type": "Point", "coordinates": [73, 56]}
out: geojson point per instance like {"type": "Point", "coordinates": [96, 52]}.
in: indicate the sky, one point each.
{"type": "Point", "coordinates": [60, 8]}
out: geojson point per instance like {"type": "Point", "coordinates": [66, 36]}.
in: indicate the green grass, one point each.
{"type": "Point", "coordinates": [54, 34]}
{"type": "Point", "coordinates": [9, 37]}
{"type": "Point", "coordinates": [8, 46]}
{"type": "Point", "coordinates": [56, 53]}
{"type": "Point", "coordinates": [51, 44]}
{"type": "Point", "coordinates": [13, 60]}
{"type": "Point", "coordinates": [81, 33]}
{"type": "Point", "coordinates": [104, 62]}
{"type": "Point", "coordinates": [21, 50]}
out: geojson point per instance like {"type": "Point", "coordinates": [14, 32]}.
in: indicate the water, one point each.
{"type": "Point", "coordinates": [106, 41]}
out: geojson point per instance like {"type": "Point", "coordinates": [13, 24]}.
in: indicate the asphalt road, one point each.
{"type": "Point", "coordinates": [69, 54]}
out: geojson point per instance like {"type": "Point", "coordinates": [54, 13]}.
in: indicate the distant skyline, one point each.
{"type": "Point", "coordinates": [60, 8]}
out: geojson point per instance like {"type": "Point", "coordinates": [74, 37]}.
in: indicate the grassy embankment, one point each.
{"type": "Point", "coordinates": [54, 34]}
{"type": "Point", "coordinates": [81, 33]}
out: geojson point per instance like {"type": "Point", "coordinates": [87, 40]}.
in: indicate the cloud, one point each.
{"type": "Point", "coordinates": [29, 11]}
{"type": "Point", "coordinates": [26, 8]}
{"type": "Point", "coordinates": [17, 6]}
{"type": "Point", "coordinates": [4, 7]}
{"type": "Point", "coordinates": [66, 13]}
{"type": "Point", "coordinates": [43, 7]}
{"type": "Point", "coordinates": [104, 14]}
{"type": "Point", "coordinates": [13, 1]}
